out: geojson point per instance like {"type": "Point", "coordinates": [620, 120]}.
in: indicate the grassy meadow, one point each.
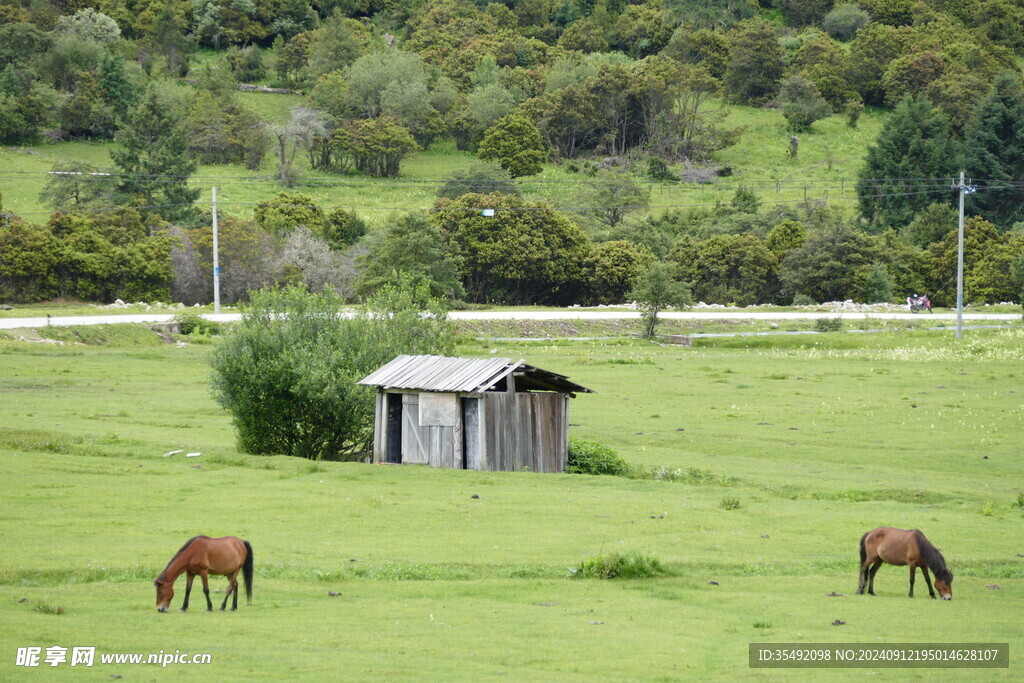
{"type": "Point", "coordinates": [830, 156]}
{"type": "Point", "coordinates": [774, 456]}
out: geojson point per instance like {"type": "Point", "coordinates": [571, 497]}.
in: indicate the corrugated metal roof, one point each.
{"type": "Point", "coordinates": [469, 375]}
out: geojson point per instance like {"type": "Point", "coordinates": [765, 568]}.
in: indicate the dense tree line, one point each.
{"type": "Point", "coordinates": [592, 76]}
{"type": "Point", "coordinates": [514, 252]}
{"type": "Point", "coordinates": [89, 257]}
{"type": "Point", "coordinates": [518, 83]}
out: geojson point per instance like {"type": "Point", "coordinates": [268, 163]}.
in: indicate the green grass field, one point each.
{"type": "Point", "coordinates": [368, 572]}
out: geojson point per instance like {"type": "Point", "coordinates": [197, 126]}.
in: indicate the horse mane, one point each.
{"type": "Point", "coordinates": [163, 574]}
{"type": "Point", "coordinates": [932, 557]}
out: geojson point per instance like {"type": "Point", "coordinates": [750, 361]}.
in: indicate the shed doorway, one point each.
{"type": "Point", "coordinates": [394, 429]}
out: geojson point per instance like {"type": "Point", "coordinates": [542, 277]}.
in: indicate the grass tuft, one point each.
{"type": "Point", "coordinates": [45, 607]}
{"type": "Point", "coordinates": [619, 566]}
{"type": "Point", "coordinates": [730, 503]}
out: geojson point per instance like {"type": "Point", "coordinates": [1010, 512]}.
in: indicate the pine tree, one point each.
{"type": "Point", "coordinates": [115, 86]}
{"type": "Point", "coordinates": [153, 155]}
{"type": "Point", "coordinates": [906, 166]}
{"type": "Point", "coordinates": [995, 151]}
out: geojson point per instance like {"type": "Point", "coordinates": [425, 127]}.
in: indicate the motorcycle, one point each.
{"type": "Point", "coordinates": [921, 303]}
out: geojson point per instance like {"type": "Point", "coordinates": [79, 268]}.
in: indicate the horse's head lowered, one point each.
{"type": "Point", "coordinates": [164, 594]}
{"type": "Point", "coordinates": [944, 584]}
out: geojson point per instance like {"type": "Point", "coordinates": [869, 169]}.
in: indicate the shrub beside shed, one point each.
{"type": "Point", "coordinates": [490, 414]}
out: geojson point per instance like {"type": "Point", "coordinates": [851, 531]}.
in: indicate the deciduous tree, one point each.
{"type": "Point", "coordinates": [28, 260]}
{"type": "Point", "coordinates": [875, 46]}
{"type": "Point", "coordinates": [480, 178]}
{"type": "Point", "coordinates": [844, 20]}
{"type": "Point", "coordinates": [287, 211]}
{"type": "Point", "coordinates": [522, 254]}
{"type": "Point", "coordinates": [515, 144]}
{"type": "Point", "coordinates": [830, 265]}
{"type": "Point", "coordinates": [720, 14]}
{"type": "Point", "coordinates": [309, 260]}
{"type": "Point", "coordinates": [801, 102]}
{"type": "Point", "coordinates": [377, 146]}
{"type": "Point", "coordinates": [301, 131]}
{"type": "Point", "coordinates": [988, 261]}
{"type": "Point", "coordinates": [611, 271]}
{"type": "Point", "coordinates": [610, 197]}
{"type": "Point", "coordinates": [289, 372]}
{"type": "Point", "coordinates": [410, 248]}
{"type": "Point", "coordinates": [656, 289]}
{"type": "Point", "coordinates": [736, 269]}
{"type": "Point", "coordinates": [755, 63]}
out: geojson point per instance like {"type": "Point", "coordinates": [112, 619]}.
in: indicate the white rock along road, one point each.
{"type": "Point", "coordinates": [565, 314]}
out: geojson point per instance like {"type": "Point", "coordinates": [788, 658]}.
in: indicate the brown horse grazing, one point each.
{"type": "Point", "coordinates": [903, 547]}
{"type": "Point", "coordinates": [203, 555]}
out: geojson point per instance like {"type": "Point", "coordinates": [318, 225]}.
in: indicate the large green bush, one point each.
{"type": "Point", "coordinates": [289, 371]}
{"type": "Point", "coordinates": [590, 457]}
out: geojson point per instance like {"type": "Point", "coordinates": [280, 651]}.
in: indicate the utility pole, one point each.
{"type": "Point", "coordinates": [960, 262]}
{"type": "Point", "coordinates": [963, 189]}
{"type": "Point", "coordinates": [216, 264]}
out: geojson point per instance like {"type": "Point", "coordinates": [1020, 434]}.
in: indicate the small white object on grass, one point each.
{"type": "Point", "coordinates": [167, 455]}
{"type": "Point", "coordinates": [193, 455]}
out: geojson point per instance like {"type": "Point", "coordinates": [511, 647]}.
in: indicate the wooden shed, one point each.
{"type": "Point", "coordinates": [477, 414]}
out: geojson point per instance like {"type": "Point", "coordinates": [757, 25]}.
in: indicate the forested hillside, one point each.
{"type": "Point", "coordinates": [525, 151]}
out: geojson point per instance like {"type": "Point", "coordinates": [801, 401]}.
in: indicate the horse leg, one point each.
{"type": "Point", "coordinates": [206, 590]}
{"type": "Point", "coordinates": [928, 580]}
{"type": "Point", "coordinates": [863, 578]}
{"type": "Point", "coordinates": [232, 590]}
{"type": "Point", "coordinates": [234, 595]}
{"type": "Point", "coordinates": [188, 589]}
{"type": "Point", "coordinates": [864, 570]}
{"type": "Point", "coordinates": [232, 587]}
{"type": "Point", "coordinates": [913, 572]}
{"type": "Point", "coordinates": [871, 579]}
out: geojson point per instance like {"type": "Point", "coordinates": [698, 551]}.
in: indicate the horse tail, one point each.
{"type": "Point", "coordinates": [247, 571]}
{"type": "Point", "coordinates": [863, 550]}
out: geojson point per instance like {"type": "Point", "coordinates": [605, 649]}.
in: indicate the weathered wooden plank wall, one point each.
{"type": "Point", "coordinates": [550, 421]}
{"type": "Point", "coordinates": [503, 432]}
{"type": "Point", "coordinates": [525, 430]}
